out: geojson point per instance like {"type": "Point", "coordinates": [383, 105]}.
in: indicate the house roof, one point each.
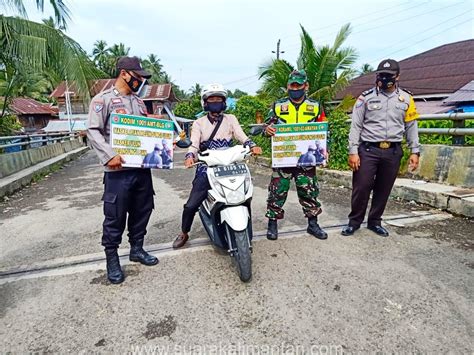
{"type": "Point", "coordinates": [464, 94]}
{"type": "Point", "coordinates": [160, 92]}
{"type": "Point", "coordinates": [441, 70]}
{"type": "Point", "coordinates": [28, 106]}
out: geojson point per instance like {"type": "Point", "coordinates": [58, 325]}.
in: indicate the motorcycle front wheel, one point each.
{"type": "Point", "coordinates": [243, 255]}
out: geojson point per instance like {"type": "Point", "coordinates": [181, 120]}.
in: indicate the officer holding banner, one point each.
{"type": "Point", "coordinates": [297, 108]}
{"type": "Point", "coordinates": [128, 192]}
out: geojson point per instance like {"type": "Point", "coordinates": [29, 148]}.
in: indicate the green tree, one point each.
{"type": "Point", "coordinates": [154, 67]}
{"type": "Point", "coordinates": [101, 55]}
{"type": "Point", "coordinates": [365, 68]}
{"type": "Point", "coordinates": [329, 68]}
{"type": "Point", "coordinates": [36, 47]}
{"type": "Point", "coordinates": [195, 90]}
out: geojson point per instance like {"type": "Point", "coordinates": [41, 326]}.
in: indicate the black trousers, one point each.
{"type": "Point", "coordinates": [127, 193]}
{"type": "Point", "coordinates": [377, 173]}
{"type": "Point", "coordinates": [196, 197]}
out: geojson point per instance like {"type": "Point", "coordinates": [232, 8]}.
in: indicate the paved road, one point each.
{"type": "Point", "coordinates": [410, 292]}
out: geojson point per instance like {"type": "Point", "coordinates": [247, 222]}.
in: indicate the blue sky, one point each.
{"type": "Point", "coordinates": [226, 41]}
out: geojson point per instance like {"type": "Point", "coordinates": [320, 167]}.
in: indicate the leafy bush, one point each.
{"type": "Point", "coordinates": [9, 125]}
{"type": "Point", "coordinates": [338, 139]}
{"type": "Point", "coordinates": [188, 109]}
{"type": "Point", "coordinates": [246, 110]}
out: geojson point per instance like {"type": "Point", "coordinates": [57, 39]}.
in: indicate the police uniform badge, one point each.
{"type": "Point", "coordinates": [121, 110]}
{"type": "Point", "coordinates": [310, 107]}
{"type": "Point", "coordinates": [401, 98]}
{"type": "Point", "coordinates": [284, 108]}
{"type": "Point", "coordinates": [118, 100]}
{"type": "Point", "coordinates": [359, 102]}
{"type": "Point", "coordinates": [98, 106]}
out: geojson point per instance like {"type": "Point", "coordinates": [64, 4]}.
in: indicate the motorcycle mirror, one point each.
{"type": "Point", "coordinates": [184, 142]}
{"type": "Point", "coordinates": [256, 130]}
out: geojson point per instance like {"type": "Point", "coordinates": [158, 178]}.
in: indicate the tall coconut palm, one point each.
{"type": "Point", "coordinates": [365, 69]}
{"type": "Point", "coordinates": [329, 68]}
{"type": "Point", "coordinates": [62, 13]}
{"type": "Point", "coordinates": [195, 90]}
{"type": "Point", "coordinates": [35, 47]}
{"type": "Point", "coordinates": [154, 67]}
{"type": "Point", "coordinates": [100, 54]}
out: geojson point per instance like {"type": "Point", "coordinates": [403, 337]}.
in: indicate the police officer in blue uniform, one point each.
{"type": "Point", "coordinates": [128, 193]}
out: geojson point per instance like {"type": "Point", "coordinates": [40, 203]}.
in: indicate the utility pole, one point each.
{"type": "Point", "coordinates": [278, 50]}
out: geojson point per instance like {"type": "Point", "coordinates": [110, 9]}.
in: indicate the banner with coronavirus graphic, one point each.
{"type": "Point", "coordinates": [300, 145]}
{"type": "Point", "coordinates": [142, 142]}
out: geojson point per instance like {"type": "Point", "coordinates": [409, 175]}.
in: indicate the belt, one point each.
{"type": "Point", "coordinates": [382, 145]}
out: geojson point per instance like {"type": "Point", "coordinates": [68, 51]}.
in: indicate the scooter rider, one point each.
{"type": "Point", "coordinates": [212, 131]}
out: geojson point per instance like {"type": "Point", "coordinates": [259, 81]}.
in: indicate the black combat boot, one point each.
{"type": "Point", "coordinates": [314, 228]}
{"type": "Point", "coordinates": [139, 255]}
{"type": "Point", "coordinates": [272, 231]}
{"type": "Point", "coordinates": [114, 271]}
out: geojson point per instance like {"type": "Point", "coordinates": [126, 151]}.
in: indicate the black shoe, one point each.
{"type": "Point", "coordinates": [379, 230]}
{"type": "Point", "coordinates": [114, 271]}
{"type": "Point", "coordinates": [272, 231]}
{"type": "Point", "coordinates": [315, 230]}
{"type": "Point", "coordinates": [349, 230]}
{"type": "Point", "coordinates": [139, 255]}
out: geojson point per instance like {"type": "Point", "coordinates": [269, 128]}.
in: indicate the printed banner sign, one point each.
{"type": "Point", "coordinates": [143, 142]}
{"type": "Point", "coordinates": [301, 144]}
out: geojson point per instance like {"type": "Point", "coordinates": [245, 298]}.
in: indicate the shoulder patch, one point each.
{"type": "Point", "coordinates": [367, 92]}
{"type": "Point", "coordinates": [98, 106]}
{"type": "Point", "coordinates": [407, 91]}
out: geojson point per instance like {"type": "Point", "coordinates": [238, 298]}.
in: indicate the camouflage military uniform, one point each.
{"type": "Point", "coordinates": [307, 187]}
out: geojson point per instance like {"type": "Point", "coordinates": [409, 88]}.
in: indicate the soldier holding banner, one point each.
{"type": "Point", "coordinates": [297, 108]}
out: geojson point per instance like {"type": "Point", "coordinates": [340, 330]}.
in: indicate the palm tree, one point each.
{"type": "Point", "coordinates": [115, 52]}
{"type": "Point", "coordinates": [100, 54]}
{"type": "Point", "coordinates": [329, 68]}
{"type": "Point", "coordinates": [365, 69]}
{"type": "Point", "coordinates": [51, 22]}
{"type": "Point", "coordinates": [62, 13]}
{"type": "Point", "coordinates": [154, 67]}
{"type": "Point", "coordinates": [195, 90]}
{"type": "Point", "coordinates": [36, 47]}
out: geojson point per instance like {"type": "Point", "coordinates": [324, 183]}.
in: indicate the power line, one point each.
{"type": "Point", "coordinates": [426, 30]}
{"type": "Point", "coordinates": [358, 17]}
{"type": "Point", "coordinates": [389, 23]}
{"type": "Point", "coordinates": [424, 39]}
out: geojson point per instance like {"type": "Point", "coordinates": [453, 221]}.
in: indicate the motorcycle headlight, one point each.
{"type": "Point", "coordinates": [235, 197]}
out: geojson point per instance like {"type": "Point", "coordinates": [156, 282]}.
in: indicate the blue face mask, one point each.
{"type": "Point", "coordinates": [296, 94]}
{"type": "Point", "coordinates": [215, 107]}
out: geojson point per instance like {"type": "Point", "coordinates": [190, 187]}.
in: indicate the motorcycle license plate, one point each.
{"type": "Point", "coordinates": [229, 170]}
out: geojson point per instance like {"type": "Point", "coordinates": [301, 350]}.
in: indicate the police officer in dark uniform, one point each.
{"type": "Point", "coordinates": [128, 193]}
{"type": "Point", "coordinates": [380, 119]}
{"type": "Point", "coordinates": [297, 108]}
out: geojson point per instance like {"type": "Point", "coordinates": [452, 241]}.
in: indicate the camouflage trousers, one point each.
{"type": "Point", "coordinates": [307, 188]}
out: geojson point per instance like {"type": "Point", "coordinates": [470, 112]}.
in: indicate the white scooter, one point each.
{"type": "Point", "coordinates": [225, 213]}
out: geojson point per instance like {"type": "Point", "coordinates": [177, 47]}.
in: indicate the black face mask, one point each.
{"type": "Point", "coordinates": [215, 107]}
{"type": "Point", "coordinates": [134, 84]}
{"type": "Point", "coordinates": [386, 82]}
{"type": "Point", "coordinates": [296, 94]}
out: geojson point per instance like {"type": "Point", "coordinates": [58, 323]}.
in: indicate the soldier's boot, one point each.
{"type": "Point", "coordinates": [272, 230]}
{"type": "Point", "coordinates": [139, 255]}
{"type": "Point", "coordinates": [114, 271]}
{"type": "Point", "coordinates": [314, 228]}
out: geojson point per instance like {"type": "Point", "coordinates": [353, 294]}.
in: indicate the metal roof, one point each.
{"type": "Point", "coordinates": [464, 94]}
{"type": "Point", "coordinates": [441, 70]}
{"type": "Point", "coordinates": [27, 106]}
